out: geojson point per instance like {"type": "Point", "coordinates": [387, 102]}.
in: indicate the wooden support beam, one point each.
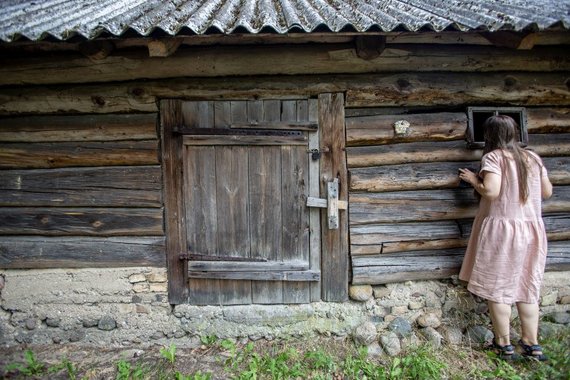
{"type": "Point", "coordinates": [276, 60]}
{"type": "Point", "coordinates": [175, 231]}
{"type": "Point", "coordinates": [511, 39]}
{"type": "Point", "coordinates": [420, 89]}
{"type": "Point", "coordinates": [96, 50]}
{"type": "Point", "coordinates": [163, 47]}
{"type": "Point", "coordinates": [370, 47]}
{"type": "Point", "coordinates": [334, 261]}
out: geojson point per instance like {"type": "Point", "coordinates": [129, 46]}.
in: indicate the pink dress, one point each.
{"type": "Point", "coordinates": [506, 253]}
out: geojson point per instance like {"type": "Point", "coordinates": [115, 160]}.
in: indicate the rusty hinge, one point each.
{"type": "Point", "coordinates": [198, 257]}
{"type": "Point", "coordinates": [331, 203]}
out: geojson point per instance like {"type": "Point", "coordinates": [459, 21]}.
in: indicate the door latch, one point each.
{"type": "Point", "coordinates": [331, 203]}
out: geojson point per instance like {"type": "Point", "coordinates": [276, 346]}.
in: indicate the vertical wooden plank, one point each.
{"type": "Point", "coordinates": [271, 110]}
{"type": "Point", "coordinates": [255, 111]}
{"type": "Point", "coordinates": [314, 213]}
{"type": "Point", "coordinates": [289, 110]}
{"type": "Point", "coordinates": [295, 182]}
{"type": "Point", "coordinates": [222, 114]}
{"type": "Point", "coordinates": [303, 110]}
{"type": "Point", "coordinates": [265, 216]}
{"type": "Point", "coordinates": [198, 114]}
{"type": "Point", "coordinates": [201, 217]}
{"type": "Point", "coordinates": [334, 263]}
{"type": "Point", "coordinates": [232, 210]}
{"type": "Point", "coordinates": [238, 111]}
{"type": "Point", "coordinates": [171, 116]}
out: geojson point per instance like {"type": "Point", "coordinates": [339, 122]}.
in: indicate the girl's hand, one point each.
{"type": "Point", "coordinates": [468, 176]}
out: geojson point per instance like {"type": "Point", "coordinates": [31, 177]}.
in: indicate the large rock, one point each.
{"type": "Point", "coordinates": [432, 336]}
{"type": "Point", "coordinates": [429, 320]}
{"type": "Point", "coordinates": [365, 334]}
{"type": "Point", "coordinates": [452, 335]}
{"type": "Point", "coordinates": [391, 343]}
{"type": "Point", "coordinates": [559, 317]}
{"type": "Point", "coordinates": [360, 293]}
{"type": "Point", "coordinates": [107, 323]}
{"type": "Point", "coordinates": [479, 334]}
{"type": "Point", "coordinates": [401, 327]}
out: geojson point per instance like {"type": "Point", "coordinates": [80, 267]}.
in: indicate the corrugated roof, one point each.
{"type": "Point", "coordinates": [89, 19]}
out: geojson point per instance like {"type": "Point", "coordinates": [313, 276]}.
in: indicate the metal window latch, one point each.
{"type": "Point", "coordinates": [316, 153]}
{"type": "Point", "coordinates": [331, 203]}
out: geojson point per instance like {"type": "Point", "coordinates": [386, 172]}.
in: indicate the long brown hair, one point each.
{"type": "Point", "coordinates": [502, 132]}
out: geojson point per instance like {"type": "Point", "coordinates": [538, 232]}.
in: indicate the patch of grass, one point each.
{"type": "Point", "coordinates": [318, 359]}
{"type": "Point", "coordinates": [31, 367]}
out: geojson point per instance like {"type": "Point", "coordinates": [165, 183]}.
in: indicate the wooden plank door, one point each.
{"type": "Point", "coordinates": [246, 175]}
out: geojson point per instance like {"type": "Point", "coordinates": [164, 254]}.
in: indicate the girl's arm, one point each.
{"type": "Point", "coordinates": [546, 186]}
{"type": "Point", "coordinates": [489, 187]}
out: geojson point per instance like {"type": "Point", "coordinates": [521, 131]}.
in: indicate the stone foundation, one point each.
{"type": "Point", "coordinates": [129, 306]}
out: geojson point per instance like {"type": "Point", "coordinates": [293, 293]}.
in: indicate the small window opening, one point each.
{"type": "Point", "coordinates": [478, 115]}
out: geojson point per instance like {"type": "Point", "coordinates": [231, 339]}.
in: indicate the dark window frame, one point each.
{"type": "Point", "coordinates": [477, 115]}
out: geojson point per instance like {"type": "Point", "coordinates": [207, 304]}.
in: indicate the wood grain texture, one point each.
{"type": "Point", "coordinates": [436, 175]}
{"type": "Point", "coordinates": [379, 129]}
{"type": "Point", "coordinates": [334, 262]}
{"type": "Point", "coordinates": [175, 230]}
{"type": "Point", "coordinates": [81, 221]}
{"type": "Point", "coordinates": [42, 129]}
{"type": "Point", "coordinates": [115, 186]}
{"type": "Point", "coordinates": [272, 60]}
{"type": "Point", "coordinates": [431, 205]}
{"type": "Point", "coordinates": [385, 90]}
{"type": "Point", "coordinates": [432, 264]}
{"type": "Point", "coordinates": [550, 145]}
{"type": "Point", "coordinates": [413, 236]}
{"type": "Point", "coordinates": [65, 154]}
{"type": "Point", "coordinates": [36, 252]}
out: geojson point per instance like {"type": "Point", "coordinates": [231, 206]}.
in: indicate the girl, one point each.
{"type": "Point", "coordinates": [506, 253]}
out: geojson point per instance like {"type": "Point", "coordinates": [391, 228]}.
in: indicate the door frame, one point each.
{"type": "Point", "coordinates": [328, 110]}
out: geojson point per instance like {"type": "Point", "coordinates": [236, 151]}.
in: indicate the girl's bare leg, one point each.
{"type": "Point", "coordinates": [501, 319]}
{"type": "Point", "coordinates": [529, 314]}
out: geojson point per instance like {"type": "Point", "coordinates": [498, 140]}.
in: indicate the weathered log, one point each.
{"type": "Point", "coordinates": [470, 38]}
{"type": "Point", "coordinates": [548, 120]}
{"type": "Point", "coordinates": [437, 151]}
{"type": "Point", "coordinates": [379, 129]}
{"type": "Point", "coordinates": [116, 186]}
{"type": "Point", "coordinates": [432, 264]}
{"type": "Point", "coordinates": [57, 155]}
{"type": "Point", "coordinates": [27, 252]}
{"type": "Point", "coordinates": [445, 89]}
{"type": "Point", "coordinates": [411, 90]}
{"type": "Point", "coordinates": [78, 128]}
{"type": "Point", "coordinates": [406, 266]}
{"type": "Point", "coordinates": [363, 156]}
{"type": "Point", "coordinates": [434, 175]}
{"type": "Point", "coordinates": [81, 221]}
{"type": "Point", "coordinates": [431, 205]}
{"type": "Point", "coordinates": [398, 237]}
{"type": "Point", "coordinates": [275, 60]}
{"type": "Point", "coordinates": [375, 129]}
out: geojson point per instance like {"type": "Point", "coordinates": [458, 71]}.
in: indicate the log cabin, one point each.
{"type": "Point", "coordinates": [268, 152]}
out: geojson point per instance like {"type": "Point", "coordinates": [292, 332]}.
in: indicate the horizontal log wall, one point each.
{"type": "Point", "coordinates": [80, 191]}
{"type": "Point", "coordinates": [409, 217]}
{"type": "Point", "coordinates": [78, 141]}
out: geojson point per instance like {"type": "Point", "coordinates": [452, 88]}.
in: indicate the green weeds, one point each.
{"type": "Point", "coordinates": [281, 360]}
